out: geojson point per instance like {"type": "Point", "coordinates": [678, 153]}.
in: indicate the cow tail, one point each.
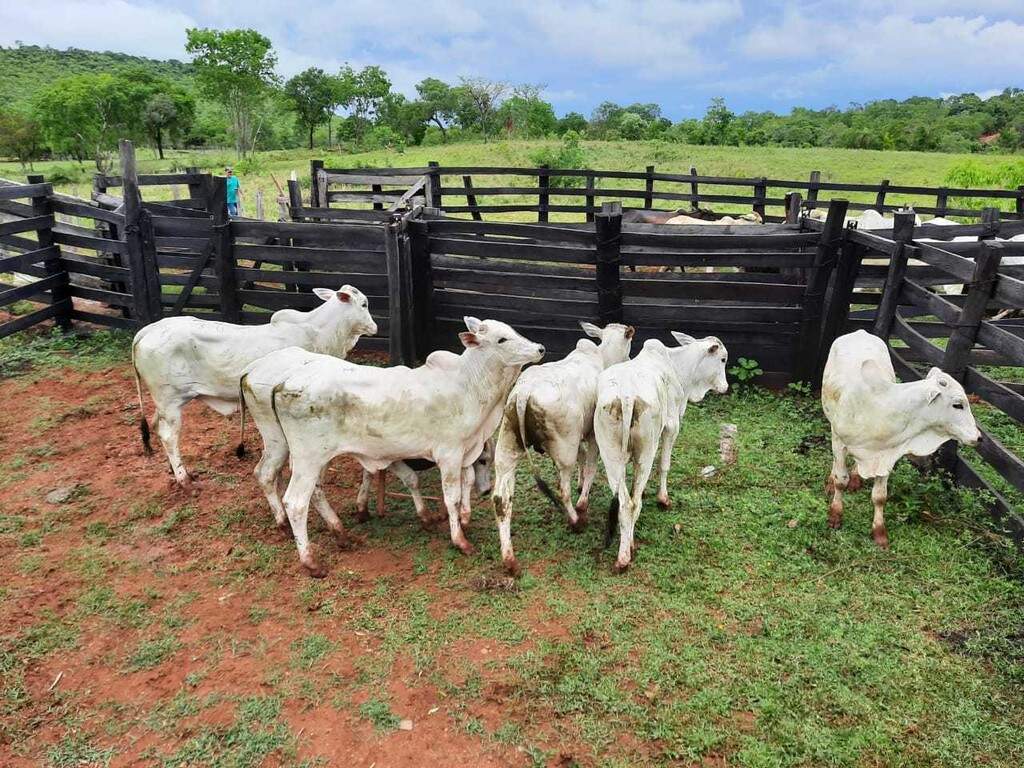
{"type": "Point", "coordinates": [522, 402]}
{"type": "Point", "coordinates": [240, 448]}
{"type": "Point", "coordinates": [626, 407]}
{"type": "Point", "coordinates": [147, 445]}
{"type": "Point", "coordinates": [627, 422]}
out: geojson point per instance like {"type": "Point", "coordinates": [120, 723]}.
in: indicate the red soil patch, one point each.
{"type": "Point", "coordinates": [190, 562]}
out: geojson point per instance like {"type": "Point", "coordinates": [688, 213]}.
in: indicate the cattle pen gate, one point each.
{"type": "Point", "coordinates": [778, 292]}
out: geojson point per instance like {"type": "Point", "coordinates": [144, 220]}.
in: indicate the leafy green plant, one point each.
{"type": "Point", "coordinates": [746, 370]}
{"type": "Point", "coordinates": [569, 154]}
{"type": "Point", "coordinates": [799, 387]}
{"type": "Point", "coordinates": [379, 713]}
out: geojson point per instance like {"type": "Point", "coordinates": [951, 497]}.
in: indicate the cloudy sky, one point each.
{"type": "Point", "coordinates": [758, 54]}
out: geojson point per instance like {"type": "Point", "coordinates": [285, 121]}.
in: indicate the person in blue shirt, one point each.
{"type": "Point", "coordinates": [234, 191]}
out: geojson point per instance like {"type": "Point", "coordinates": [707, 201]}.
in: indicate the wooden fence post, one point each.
{"type": "Point", "coordinates": [315, 193]}
{"type": "Point", "coordinates": [609, 287]}
{"type": "Point", "coordinates": [812, 189]}
{"type": "Point", "coordinates": [467, 182]}
{"type": "Point", "coordinates": [223, 250]}
{"type": "Point", "coordinates": [793, 202]}
{"type": "Point", "coordinates": [1020, 201]}
{"type": "Point", "coordinates": [839, 298]}
{"type": "Point", "coordinates": [760, 195]}
{"type": "Point", "coordinates": [398, 307]}
{"type": "Point", "coordinates": [259, 205]}
{"type": "Point", "coordinates": [903, 234]}
{"type": "Point", "coordinates": [806, 362]}
{"type": "Point", "coordinates": [589, 199]}
{"type": "Point", "coordinates": [649, 188]}
{"type": "Point", "coordinates": [941, 202]}
{"type": "Point", "coordinates": [59, 294]}
{"type": "Point", "coordinates": [543, 198]}
{"type": "Point", "coordinates": [434, 186]}
{"type": "Point", "coordinates": [965, 332]}
{"type": "Point", "coordinates": [694, 190]}
{"type": "Point", "coordinates": [883, 188]}
{"type": "Point", "coordinates": [422, 275]}
{"type": "Point", "coordinates": [196, 190]}
{"type": "Point", "coordinates": [141, 281]}
{"type": "Point", "coordinates": [294, 200]}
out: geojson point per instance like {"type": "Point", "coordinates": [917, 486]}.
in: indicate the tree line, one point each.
{"type": "Point", "coordinates": [235, 97]}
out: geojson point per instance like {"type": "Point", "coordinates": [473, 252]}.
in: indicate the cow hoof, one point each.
{"type": "Point", "coordinates": [464, 520]}
{"type": "Point", "coordinates": [362, 514]}
{"type": "Point", "coordinates": [881, 537]}
{"type": "Point", "coordinates": [830, 486]}
{"type": "Point", "coordinates": [854, 483]}
{"type": "Point", "coordinates": [346, 540]}
{"type": "Point", "coordinates": [284, 526]}
{"type": "Point", "coordinates": [512, 567]}
{"type": "Point", "coordinates": [313, 569]}
{"type": "Point", "coordinates": [582, 507]}
{"type": "Point", "coordinates": [619, 568]}
{"type": "Point", "coordinates": [464, 546]}
{"type": "Point", "coordinates": [664, 502]}
{"type": "Point", "coordinates": [835, 515]}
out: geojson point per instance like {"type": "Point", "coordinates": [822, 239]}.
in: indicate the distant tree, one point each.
{"type": "Point", "coordinates": [311, 96]}
{"type": "Point", "coordinates": [362, 92]}
{"type": "Point", "coordinates": [632, 126]}
{"type": "Point", "coordinates": [405, 118]}
{"type": "Point", "coordinates": [19, 138]}
{"type": "Point", "coordinates": [572, 121]}
{"type": "Point", "coordinates": [717, 120]}
{"type": "Point", "coordinates": [483, 97]}
{"type": "Point", "coordinates": [168, 112]}
{"type": "Point", "coordinates": [85, 115]}
{"type": "Point", "coordinates": [531, 117]}
{"type": "Point", "coordinates": [440, 102]}
{"type": "Point", "coordinates": [235, 67]}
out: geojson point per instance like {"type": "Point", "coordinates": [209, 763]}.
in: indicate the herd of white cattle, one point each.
{"type": "Point", "coordinates": [311, 405]}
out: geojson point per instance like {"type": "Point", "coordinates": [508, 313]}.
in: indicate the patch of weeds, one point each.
{"type": "Point", "coordinates": [30, 539]}
{"type": "Point", "coordinates": [230, 517]}
{"type": "Point", "coordinates": [309, 650]}
{"type": "Point", "coordinates": [255, 734]}
{"type": "Point", "coordinates": [176, 518]}
{"type": "Point", "coordinates": [25, 352]}
{"type": "Point", "coordinates": [508, 733]}
{"type": "Point", "coordinates": [257, 614]}
{"type": "Point", "coordinates": [29, 564]}
{"type": "Point", "coordinates": [151, 653]}
{"type": "Point", "coordinates": [146, 510]}
{"type": "Point", "coordinates": [166, 714]}
{"type": "Point", "coordinates": [76, 750]}
{"type": "Point", "coordinates": [193, 679]}
{"type": "Point", "coordinates": [378, 712]}
{"type": "Point", "coordinates": [100, 531]}
{"type": "Point", "coordinates": [11, 523]}
{"type": "Point", "coordinates": [474, 726]}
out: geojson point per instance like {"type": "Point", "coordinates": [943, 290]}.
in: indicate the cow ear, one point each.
{"type": "Point", "coordinates": [469, 339]}
{"type": "Point", "coordinates": [713, 349]}
{"type": "Point", "coordinates": [934, 373]}
{"type": "Point", "coordinates": [325, 294]}
{"type": "Point", "coordinates": [472, 323]}
{"type": "Point", "coordinates": [590, 329]}
{"type": "Point", "coordinates": [874, 375]}
{"type": "Point", "coordinates": [682, 338]}
{"type": "Point", "coordinates": [934, 395]}
{"type": "Point", "coordinates": [630, 331]}
{"type": "Point", "coordinates": [344, 296]}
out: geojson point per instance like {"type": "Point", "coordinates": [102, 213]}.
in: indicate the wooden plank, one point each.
{"type": "Point", "coordinates": [1006, 463]}
{"type": "Point", "coordinates": [84, 210]}
{"type": "Point", "coordinates": [1002, 341]}
{"type": "Point", "coordinates": [998, 394]}
{"type": "Point", "coordinates": [549, 233]}
{"type": "Point", "coordinates": [512, 250]}
{"type": "Point", "coordinates": [554, 307]}
{"type": "Point", "coordinates": [966, 327]}
{"type": "Point", "coordinates": [22, 322]}
{"type": "Point", "coordinates": [725, 241]}
{"type": "Point", "coordinates": [902, 234]}
{"type": "Point", "coordinates": [182, 226]}
{"type": "Point", "coordinates": [31, 224]}
{"type": "Point", "coordinates": [113, 321]}
{"type": "Point", "coordinates": [779, 259]}
{"type": "Point", "coordinates": [19, 261]}
{"type": "Point", "coordinates": [371, 262]}
{"type": "Point", "coordinates": [828, 242]}
{"type": "Point", "coordinates": [19, 191]}
{"type": "Point", "coordinates": [914, 293]}
{"type": "Point", "coordinates": [81, 265]}
{"type": "Point", "coordinates": [100, 244]}
{"type": "Point", "coordinates": [353, 236]}
{"type": "Point", "coordinates": [30, 289]}
{"type": "Point", "coordinates": [113, 298]}
{"type": "Point", "coordinates": [916, 342]}
{"type": "Point", "coordinates": [710, 290]}
{"type": "Point", "coordinates": [763, 318]}
{"type": "Point", "coordinates": [608, 235]}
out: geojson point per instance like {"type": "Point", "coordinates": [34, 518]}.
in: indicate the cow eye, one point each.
{"type": "Point", "coordinates": [503, 339]}
{"type": "Point", "coordinates": [958, 406]}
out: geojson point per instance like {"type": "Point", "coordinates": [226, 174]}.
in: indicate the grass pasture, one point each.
{"type": "Point", "coordinates": [140, 625]}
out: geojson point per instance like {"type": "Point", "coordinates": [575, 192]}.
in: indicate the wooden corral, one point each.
{"type": "Point", "coordinates": [779, 292]}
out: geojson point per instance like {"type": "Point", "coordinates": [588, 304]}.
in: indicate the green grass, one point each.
{"type": "Point", "coordinates": [847, 165]}
{"type": "Point", "coordinates": [378, 712]}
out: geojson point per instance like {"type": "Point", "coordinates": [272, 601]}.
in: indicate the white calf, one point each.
{"type": "Point", "coordinates": [551, 408]}
{"type": "Point", "coordinates": [639, 405]}
{"type": "Point", "coordinates": [181, 359]}
{"type": "Point", "coordinates": [876, 420]}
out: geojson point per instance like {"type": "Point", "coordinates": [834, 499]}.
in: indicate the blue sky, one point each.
{"type": "Point", "coordinates": [678, 53]}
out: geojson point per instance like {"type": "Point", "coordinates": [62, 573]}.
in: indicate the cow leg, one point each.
{"type": "Point", "coordinates": [363, 498]}
{"type": "Point", "coordinates": [617, 479]}
{"type": "Point", "coordinates": [506, 457]}
{"type": "Point", "coordinates": [642, 469]}
{"type": "Point", "coordinates": [837, 483]}
{"type": "Point", "coordinates": [268, 475]}
{"type": "Point", "coordinates": [411, 481]}
{"type": "Point", "coordinates": [468, 478]}
{"type": "Point", "coordinates": [296, 504]}
{"type": "Point", "coordinates": [588, 463]}
{"type": "Point", "coordinates": [382, 486]}
{"type": "Point", "coordinates": [327, 513]}
{"type": "Point", "coordinates": [668, 441]}
{"type": "Point", "coordinates": [451, 483]}
{"type": "Point", "coordinates": [168, 428]}
{"type": "Point", "coordinates": [879, 494]}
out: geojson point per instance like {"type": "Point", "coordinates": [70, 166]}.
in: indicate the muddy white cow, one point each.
{"type": "Point", "coordinates": [256, 388]}
{"type": "Point", "coordinates": [443, 411]}
{"type": "Point", "coordinates": [876, 420]}
{"type": "Point", "coordinates": [551, 409]}
{"type": "Point", "coordinates": [639, 406]}
{"type": "Point", "coordinates": [181, 359]}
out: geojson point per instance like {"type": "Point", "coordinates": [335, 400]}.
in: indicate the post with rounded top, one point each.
{"type": "Point", "coordinates": [608, 228]}
{"type": "Point", "coordinates": [223, 249]}
{"type": "Point", "coordinates": [903, 234]}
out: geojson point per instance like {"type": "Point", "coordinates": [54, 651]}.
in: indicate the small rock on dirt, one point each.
{"type": "Point", "coordinates": [60, 495]}
{"type": "Point", "coordinates": [708, 471]}
{"type": "Point", "coordinates": [792, 523]}
{"type": "Point", "coordinates": [405, 725]}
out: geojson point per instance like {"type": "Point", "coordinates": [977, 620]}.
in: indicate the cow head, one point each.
{"type": "Point", "coordinates": [501, 340]}
{"type": "Point", "coordinates": [350, 307]}
{"type": "Point", "coordinates": [947, 408]}
{"type": "Point", "coordinates": [615, 340]}
{"type": "Point", "coordinates": [702, 366]}
{"type": "Point", "coordinates": [483, 479]}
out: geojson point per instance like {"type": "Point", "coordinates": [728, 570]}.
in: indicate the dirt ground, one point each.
{"type": "Point", "coordinates": [82, 430]}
